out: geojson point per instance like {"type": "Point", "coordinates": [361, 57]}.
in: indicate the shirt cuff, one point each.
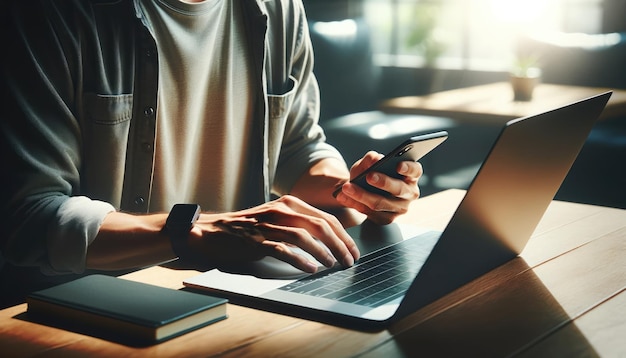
{"type": "Point", "coordinates": [77, 223]}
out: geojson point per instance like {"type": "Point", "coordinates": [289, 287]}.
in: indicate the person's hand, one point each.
{"type": "Point", "coordinates": [382, 209]}
{"type": "Point", "coordinates": [269, 230]}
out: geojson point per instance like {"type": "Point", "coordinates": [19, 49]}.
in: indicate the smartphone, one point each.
{"type": "Point", "coordinates": [412, 149]}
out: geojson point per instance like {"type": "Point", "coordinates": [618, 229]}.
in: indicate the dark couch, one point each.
{"type": "Point", "coordinates": [599, 173]}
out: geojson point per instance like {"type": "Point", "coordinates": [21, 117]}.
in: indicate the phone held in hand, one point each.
{"type": "Point", "coordinates": [412, 149]}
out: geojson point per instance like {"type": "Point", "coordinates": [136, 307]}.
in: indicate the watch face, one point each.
{"type": "Point", "coordinates": [183, 216]}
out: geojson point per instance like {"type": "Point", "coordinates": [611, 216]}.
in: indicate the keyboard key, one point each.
{"type": "Point", "coordinates": [374, 280]}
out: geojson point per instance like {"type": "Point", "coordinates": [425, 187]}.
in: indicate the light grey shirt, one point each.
{"type": "Point", "coordinates": [204, 104]}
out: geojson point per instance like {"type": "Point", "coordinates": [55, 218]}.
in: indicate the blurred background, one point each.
{"type": "Point", "coordinates": [370, 51]}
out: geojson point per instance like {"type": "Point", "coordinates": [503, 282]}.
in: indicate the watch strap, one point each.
{"type": "Point", "coordinates": [179, 223]}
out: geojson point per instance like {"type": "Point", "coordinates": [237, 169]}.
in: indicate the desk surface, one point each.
{"type": "Point", "coordinates": [493, 103]}
{"type": "Point", "coordinates": [565, 296]}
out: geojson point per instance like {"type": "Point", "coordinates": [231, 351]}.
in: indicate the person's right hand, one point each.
{"type": "Point", "coordinates": [269, 230]}
{"type": "Point", "coordinates": [382, 209]}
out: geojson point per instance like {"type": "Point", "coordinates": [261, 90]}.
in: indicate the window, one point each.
{"type": "Point", "coordinates": [469, 34]}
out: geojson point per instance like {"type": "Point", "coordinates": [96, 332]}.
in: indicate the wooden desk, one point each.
{"type": "Point", "coordinates": [564, 297]}
{"type": "Point", "coordinates": [493, 103]}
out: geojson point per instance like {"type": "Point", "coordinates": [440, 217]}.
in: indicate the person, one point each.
{"type": "Point", "coordinates": [117, 110]}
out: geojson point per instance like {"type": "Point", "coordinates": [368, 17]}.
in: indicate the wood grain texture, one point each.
{"type": "Point", "coordinates": [565, 296]}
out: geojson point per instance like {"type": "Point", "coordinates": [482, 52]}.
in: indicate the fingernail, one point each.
{"type": "Point", "coordinates": [404, 168]}
{"type": "Point", "coordinates": [348, 260]}
{"type": "Point", "coordinates": [348, 189]}
{"type": "Point", "coordinates": [375, 178]}
{"type": "Point", "coordinates": [311, 267]}
{"type": "Point", "coordinates": [330, 261]}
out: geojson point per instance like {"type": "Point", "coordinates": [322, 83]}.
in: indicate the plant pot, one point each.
{"type": "Point", "coordinates": [524, 86]}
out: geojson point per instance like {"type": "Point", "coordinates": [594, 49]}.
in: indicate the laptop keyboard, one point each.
{"type": "Point", "coordinates": [373, 280]}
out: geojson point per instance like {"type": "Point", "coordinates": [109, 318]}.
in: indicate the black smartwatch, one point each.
{"type": "Point", "coordinates": [179, 222]}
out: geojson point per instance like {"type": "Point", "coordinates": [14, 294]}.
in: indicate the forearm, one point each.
{"type": "Point", "coordinates": [317, 184]}
{"type": "Point", "coordinates": [129, 241]}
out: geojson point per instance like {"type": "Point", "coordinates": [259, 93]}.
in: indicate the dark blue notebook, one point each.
{"type": "Point", "coordinates": [133, 311]}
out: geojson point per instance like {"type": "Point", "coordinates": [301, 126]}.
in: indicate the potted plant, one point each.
{"type": "Point", "coordinates": [421, 34]}
{"type": "Point", "coordinates": [422, 37]}
{"type": "Point", "coordinates": [525, 76]}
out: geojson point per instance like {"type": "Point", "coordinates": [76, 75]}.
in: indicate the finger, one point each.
{"type": "Point", "coordinates": [366, 201]}
{"type": "Point", "coordinates": [297, 237]}
{"type": "Point", "coordinates": [382, 217]}
{"type": "Point", "coordinates": [362, 164]}
{"type": "Point", "coordinates": [405, 188]}
{"type": "Point", "coordinates": [325, 227]}
{"type": "Point", "coordinates": [410, 169]}
{"type": "Point", "coordinates": [282, 252]}
{"type": "Point", "coordinates": [378, 217]}
{"type": "Point", "coordinates": [289, 211]}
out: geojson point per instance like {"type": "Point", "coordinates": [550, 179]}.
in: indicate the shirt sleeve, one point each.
{"type": "Point", "coordinates": [304, 142]}
{"type": "Point", "coordinates": [42, 221]}
{"type": "Point", "coordinates": [78, 221]}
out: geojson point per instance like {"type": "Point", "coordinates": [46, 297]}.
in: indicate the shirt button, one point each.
{"type": "Point", "coordinates": [139, 200]}
{"type": "Point", "coordinates": [148, 112]}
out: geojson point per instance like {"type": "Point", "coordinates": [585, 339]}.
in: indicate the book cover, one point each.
{"type": "Point", "coordinates": [131, 311]}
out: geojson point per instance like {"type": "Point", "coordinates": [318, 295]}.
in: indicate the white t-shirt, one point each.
{"type": "Point", "coordinates": [204, 104]}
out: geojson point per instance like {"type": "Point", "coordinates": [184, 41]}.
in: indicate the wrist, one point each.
{"type": "Point", "coordinates": [178, 226]}
{"type": "Point", "coordinates": [128, 241]}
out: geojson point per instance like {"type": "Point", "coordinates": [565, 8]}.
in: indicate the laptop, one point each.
{"type": "Point", "coordinates": [497, 216]}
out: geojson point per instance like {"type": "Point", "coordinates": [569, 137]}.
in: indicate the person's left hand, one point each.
{"type": "Point", "coordinates": [382, 209]}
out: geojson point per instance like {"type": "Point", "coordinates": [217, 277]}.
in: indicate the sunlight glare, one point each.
{"type": "Point", "coordinates": [517, 11]}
